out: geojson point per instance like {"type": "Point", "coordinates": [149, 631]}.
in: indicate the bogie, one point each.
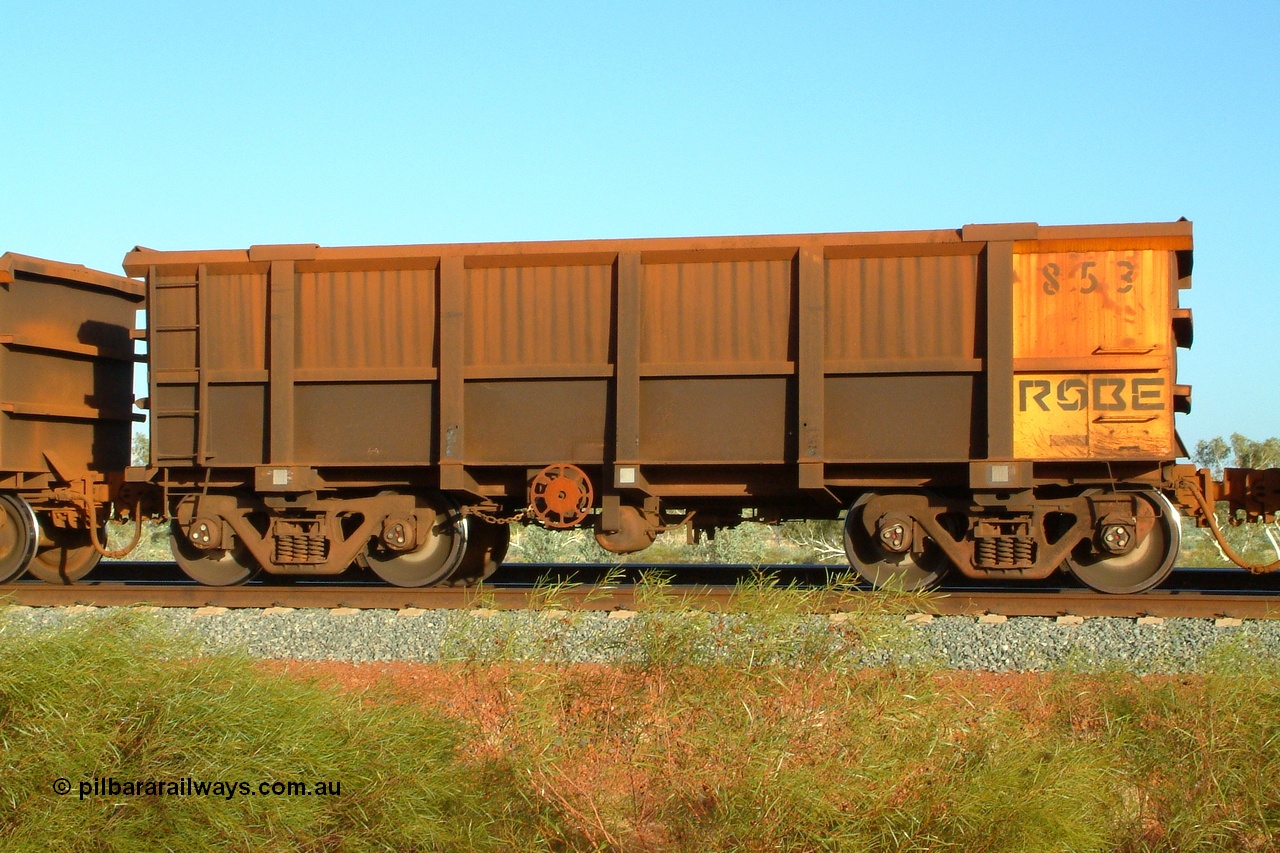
{"type": "Point", "coordinates": [1113, 541]}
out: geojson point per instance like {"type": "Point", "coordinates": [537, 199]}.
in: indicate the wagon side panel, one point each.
{"type": "Point", "coordinates": [66, 371]}
{"type": "Point", "coordinates": [537, 359]}
{"type": "Point", "coordinates": [903, 356]}
{"type": "Point", "coordinates": [717, 357]}
{"type": "Point", "coordinates": [365, 367]}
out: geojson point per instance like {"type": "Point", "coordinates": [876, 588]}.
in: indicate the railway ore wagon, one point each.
{"type": "Point", "coordinates": [66, 411]}
{"type": "Point", "coordinates": [997, 399]}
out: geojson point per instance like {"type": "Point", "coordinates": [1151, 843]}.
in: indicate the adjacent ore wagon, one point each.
{"type": "Point", "coordinates": [66, 412]}
{"type": "Point", "coordinates": [997, 399]}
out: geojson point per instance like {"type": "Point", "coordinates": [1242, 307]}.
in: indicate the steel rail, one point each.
{"type": "Point", "coordinates": [1046, 603]}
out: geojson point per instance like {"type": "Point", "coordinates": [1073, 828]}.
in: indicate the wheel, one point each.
{"type": "Point", "coordinates": [884, 569]}
{"type": "Point", "coordinates": [432, 560]}
{"type": "Point", "coordinates": [214, 567]}
{"type": "Point", "coordinates": [486, 549]}
{"type": "Point", "coordinates": [18, 536]}
{"type": "Point", "coordinates": [1145, 566]}
{"type": "Point", "coordinates": [65, 554]}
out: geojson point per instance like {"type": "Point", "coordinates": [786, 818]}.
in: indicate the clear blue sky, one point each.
{"type": "Point", "coordinates": [179, 127]}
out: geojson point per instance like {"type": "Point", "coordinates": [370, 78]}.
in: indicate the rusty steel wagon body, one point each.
{"type": "Point", "coordinates": [998, 399]}
{"type": "Point", "coordinates": [66, 411]}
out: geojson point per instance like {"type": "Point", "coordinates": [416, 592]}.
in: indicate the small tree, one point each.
{"type": "Point", "coordinates": [141, 449]}
{"type": "Point", "coordinates": [1255, 454]}
{"type": "Point", "coordinates": [1212, 454]}
{"type": "Point", "coordinates": [1241, 451]}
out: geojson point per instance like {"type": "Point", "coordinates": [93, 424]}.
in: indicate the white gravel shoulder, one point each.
{"type": "Point", "coordinates": [954, 642]}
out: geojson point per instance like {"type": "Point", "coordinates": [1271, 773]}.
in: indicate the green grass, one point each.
{"type": "Point", "coordinates": [668, 753]}
{"type": "Point", "coordinates": [750, 542]}
{"type": "Point", "coordinates": [117, 699]}
{"type": "Point", "coordinates": [764, 623]}
{"type": "Point", "coordinates": [153, 544]}
{"type": "Point", "coordinates": [767, 624]}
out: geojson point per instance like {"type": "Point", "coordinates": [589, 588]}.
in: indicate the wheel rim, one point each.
{"type": "Point", "coordinates": [1149, 563]}
{"type": "Point", "coordinates": [486, 548]}
{"type": "Point", "coordinates": [883, 569]}
{"type": "Point", "coordinates": [18, 536]}
{"type": "Point", "coordinates": [215, 567]}
{"type": "Point", "coordinates": [433, 560]}
{"type": "Point", "coordinates": [64, 555]}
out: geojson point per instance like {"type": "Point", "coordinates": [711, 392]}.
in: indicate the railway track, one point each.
{"type": "Point", "coordinates": [1194, 594]}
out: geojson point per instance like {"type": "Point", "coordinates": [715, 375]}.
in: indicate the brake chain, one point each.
{"type": "Point", "coordinates": [489, 518]}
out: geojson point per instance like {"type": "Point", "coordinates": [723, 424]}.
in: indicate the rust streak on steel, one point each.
{"type": "Point", "coordinates": [1171, 604]}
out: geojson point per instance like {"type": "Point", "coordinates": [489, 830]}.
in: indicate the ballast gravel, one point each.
{"type": "Point", "coordinates": [955, 642]}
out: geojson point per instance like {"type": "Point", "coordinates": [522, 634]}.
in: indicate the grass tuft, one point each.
{"type": "Point", "coordinates": [769, 624]}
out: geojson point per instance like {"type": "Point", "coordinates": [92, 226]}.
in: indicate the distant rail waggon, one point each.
{"type": "Point", "coordinates": [996, 400]}
{"type": "Point", "coordinates": [66, 411]}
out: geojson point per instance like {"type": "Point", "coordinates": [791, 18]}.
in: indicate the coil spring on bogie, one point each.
{"type": "Point", "coordinates": [996, 552]}
{"type": "Point", "coordinates": [301, 549]}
